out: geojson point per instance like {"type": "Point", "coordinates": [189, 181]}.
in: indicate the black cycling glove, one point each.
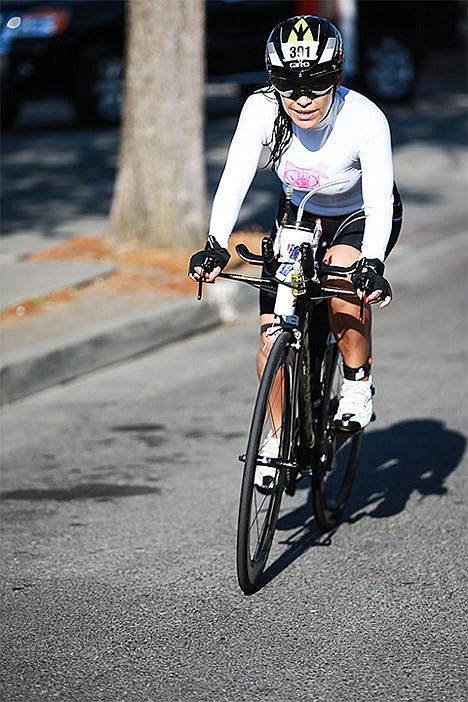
{"type": "Point", "coordinates": [212, 255]}
{"type": "Point", "coordinates": [368, 277]}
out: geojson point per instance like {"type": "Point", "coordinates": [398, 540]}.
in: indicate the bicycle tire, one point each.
{"type": "Point", "coordinates": [337, 452]}
{"type": "Point", "coordinates": [258, 513]}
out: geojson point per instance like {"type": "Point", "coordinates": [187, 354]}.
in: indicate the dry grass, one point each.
{"type": "Point", "coordinates": [138, 269]}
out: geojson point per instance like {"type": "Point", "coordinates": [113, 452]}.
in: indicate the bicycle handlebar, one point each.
{"type": "Point", "coordinates": [316, 291]}
{"type": "Point", "coordinates": [270, 284]}
{"type": "Point", "coordinates": [256, 260]}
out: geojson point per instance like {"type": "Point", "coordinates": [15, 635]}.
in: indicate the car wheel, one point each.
{"type": "Point", "coordinates": [388, 67]}
{"type": "Point", "coordinates": [100, 80]}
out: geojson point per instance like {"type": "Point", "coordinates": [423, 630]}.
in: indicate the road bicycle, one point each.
{"type": "Point", "coordinates": [297, 400]}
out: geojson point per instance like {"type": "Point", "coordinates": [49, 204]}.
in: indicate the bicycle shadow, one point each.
{"type": "Point", "coordinates": [411, 456]}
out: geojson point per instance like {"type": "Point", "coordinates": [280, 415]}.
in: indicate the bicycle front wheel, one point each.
{"type": "Point", "coordinates": [258, 512]}
{"type": "Point", "coordinates": [337, 452]}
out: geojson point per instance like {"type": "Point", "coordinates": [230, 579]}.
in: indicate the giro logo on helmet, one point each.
{"type": "Point", "coordinates": [300, 64]}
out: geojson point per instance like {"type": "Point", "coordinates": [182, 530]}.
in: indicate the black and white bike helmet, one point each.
{"type": "Point", "coordinates": [304, 54]}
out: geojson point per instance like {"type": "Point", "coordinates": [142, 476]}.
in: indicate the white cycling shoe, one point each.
{"type": "Point", "coordinates": [265, 475]}
{"type": "Point", "coordinates": [356, 408]}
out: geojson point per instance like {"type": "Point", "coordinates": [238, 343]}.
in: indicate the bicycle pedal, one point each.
{"type": "Point", "coordinates": [347, 427]}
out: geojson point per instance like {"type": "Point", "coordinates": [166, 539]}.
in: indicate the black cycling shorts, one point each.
{"type": "Point", "coordinates": [352, 235]}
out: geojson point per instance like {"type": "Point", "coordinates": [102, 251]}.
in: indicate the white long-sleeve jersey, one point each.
{"type": "Point", "coordinates": [351, 143]}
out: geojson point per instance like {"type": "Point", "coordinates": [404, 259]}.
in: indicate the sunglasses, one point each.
{"type": "Point", "coordinates": [288, 88]}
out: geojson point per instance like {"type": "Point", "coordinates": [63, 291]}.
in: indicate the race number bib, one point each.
{"type": "Point", "coordinates": [300, 51]}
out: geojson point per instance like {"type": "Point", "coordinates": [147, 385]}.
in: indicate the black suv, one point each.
{"type": "Point", "coordinates": [75, 48]}
{"type": "Point", "coordinates": [71, 48]}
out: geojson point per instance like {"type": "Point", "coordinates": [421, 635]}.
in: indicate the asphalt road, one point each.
{"type": "Point", "coordinates": [119, 514]}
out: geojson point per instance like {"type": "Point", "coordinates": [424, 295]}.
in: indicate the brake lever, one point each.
{"type": "Point", "coordinates": [359, 268]}
{"type": "Point", "coordinates": [206, 267]}
{"type": "Point", "coordinates": [200, 286]}
{"type": "Point", "coordinates": [361, 310]}
{"type": "Point", "coordinates": [364, 290]}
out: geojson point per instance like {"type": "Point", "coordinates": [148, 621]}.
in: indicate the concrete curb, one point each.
{"type": "Point", "coordinates": [27, 280]}
{"type": "Point", "coordinates": [30, 370]}
{"type": "Point", "coordinates": [36, 368]}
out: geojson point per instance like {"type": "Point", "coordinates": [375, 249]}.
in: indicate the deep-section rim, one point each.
{"type": "Point", "coordinates": [328, 508]}
{"type": "Point", "coordinates": [249, 570]}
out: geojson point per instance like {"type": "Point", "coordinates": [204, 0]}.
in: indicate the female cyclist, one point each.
{"type": "Point", "coordinates": [317, 131]}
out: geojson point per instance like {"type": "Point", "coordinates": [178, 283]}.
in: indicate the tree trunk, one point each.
{"type": "Point", "coordinates": [160, 193]}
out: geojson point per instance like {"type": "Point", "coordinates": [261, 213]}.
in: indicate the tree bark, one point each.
{"type": "Point", "coordinates": [160, 191]}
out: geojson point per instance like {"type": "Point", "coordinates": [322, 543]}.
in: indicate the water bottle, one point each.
{"type": "Point", "coordinates": [289, 269]}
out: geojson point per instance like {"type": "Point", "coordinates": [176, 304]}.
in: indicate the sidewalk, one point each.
{"type": "Point", "coordinates": [64, 314]}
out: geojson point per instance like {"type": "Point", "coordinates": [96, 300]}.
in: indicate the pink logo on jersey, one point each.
{"type": "Point", "coordinates": [305, 178]}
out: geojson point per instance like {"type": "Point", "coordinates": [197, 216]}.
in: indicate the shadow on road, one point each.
{"type": "Point", "coordinates": [55, 178]}
{"type": "Point", "coordinates": [420, 123]}
{"type": "Point", "coordinates": [412, 456]}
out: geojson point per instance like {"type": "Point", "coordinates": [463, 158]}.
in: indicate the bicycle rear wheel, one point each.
{"type": "Point", "coordinates": [258, 513]}
{"type": "Point", "coordinates": [337, 452]}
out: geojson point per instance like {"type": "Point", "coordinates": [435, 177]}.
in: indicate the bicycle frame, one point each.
{"type": "Point", "coordinates": [302, 456]}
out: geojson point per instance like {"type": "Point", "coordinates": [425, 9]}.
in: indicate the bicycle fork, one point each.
{"type": "Point", "coordinates": [302, 438]}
